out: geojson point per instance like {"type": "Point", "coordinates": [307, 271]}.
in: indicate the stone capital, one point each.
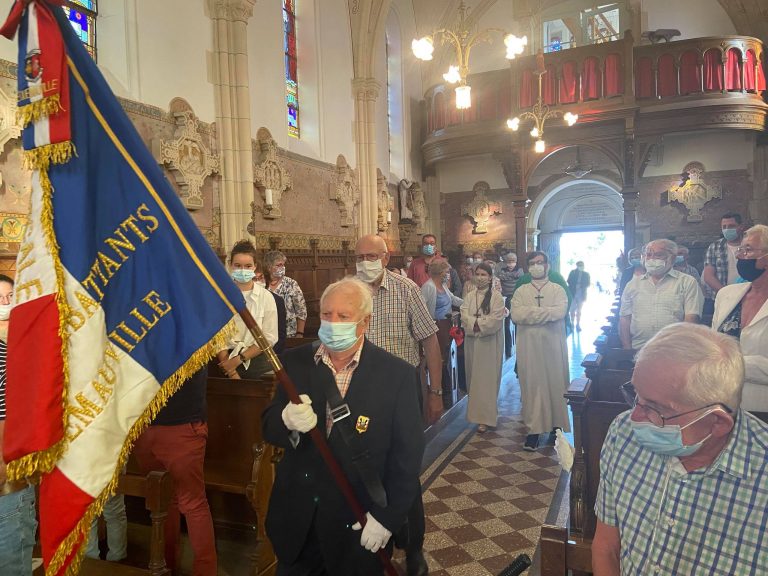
{"type": "Point", "coordinates": [232, 10]}
{"type": "Point", "coordinates": [365, 88]}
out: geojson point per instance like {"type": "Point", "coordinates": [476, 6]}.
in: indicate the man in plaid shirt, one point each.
{"type": "Point", "coordinates": [684, 474]}
{"type": "Point", "coordinates": [720, 260]}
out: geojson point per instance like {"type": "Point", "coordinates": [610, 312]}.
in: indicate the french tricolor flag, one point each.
{"type": "Point", "coordinates": [118, 296]}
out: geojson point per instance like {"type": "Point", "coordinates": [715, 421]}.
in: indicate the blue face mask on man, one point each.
{"type": "Point", "coordinates": [338, 336]}
{"type": "Point", "coordinates": [667, 441]}
{"type": "Point", "coordinates": [730, 234]}
{"type": "Point", "coordinates": [428, 249]}
{"type": "Point", "coordinates": [679, 260]}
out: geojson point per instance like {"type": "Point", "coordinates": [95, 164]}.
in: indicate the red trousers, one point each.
{"type": "Point", "coordinates": [181, 450]}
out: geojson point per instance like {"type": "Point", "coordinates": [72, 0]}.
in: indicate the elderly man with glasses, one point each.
{"type": "Point", "coordinates": [684, 473]}
{"type": "Point", "coordinates": [660, 297]}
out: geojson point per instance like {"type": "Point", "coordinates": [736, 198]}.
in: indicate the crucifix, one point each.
{"type": "Point", "coordinates": [539, 298]}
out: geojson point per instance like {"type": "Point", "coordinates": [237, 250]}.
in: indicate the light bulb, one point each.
{"type": "Point", "coordinates": [570, 118]}
{"type": "Point", "coordinates": [463, 97]}
{"type": "Point", "coordinates": [452, 76]}
{"type": "Point", "coordinates": [423, 48]}
{"type": "Point", "coordinates": [513, 123]}
{"type": "Point", "coordinates": [515, 45]}
{"type": "Point", "coordinates": [540, 146]}
{"type": "Point", "coordinates": [534, 132]}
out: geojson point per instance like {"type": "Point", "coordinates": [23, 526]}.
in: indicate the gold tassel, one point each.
{"type": "Point", "coordinates": [38, 109]}
{"type": "Point", "coordinates": [42, 157]}
{"type": "Point", "coordinates": [80, 533]}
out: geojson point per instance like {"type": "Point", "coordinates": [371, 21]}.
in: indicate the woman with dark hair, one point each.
{"type": "Point", "coordinates": [482, 317]}
{"type": "Point", "coordinates": [243, 358]}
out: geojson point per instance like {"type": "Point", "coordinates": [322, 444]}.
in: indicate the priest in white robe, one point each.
{"type": "Point", "coordinates": [482, 317]}
{"type": "Point", "coordinates": [539, 309]}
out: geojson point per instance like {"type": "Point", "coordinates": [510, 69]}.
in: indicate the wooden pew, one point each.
{"type": "Point", "coordinates": [155, 489]}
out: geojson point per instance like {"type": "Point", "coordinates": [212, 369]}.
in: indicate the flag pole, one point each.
{"type": "Point", "coordinates": [317, 436]}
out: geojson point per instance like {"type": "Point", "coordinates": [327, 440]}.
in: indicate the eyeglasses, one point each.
{"type": "Point", "coordinates": [371, 257]}
{"type": "Point", "coordinates": [747, 251]}
{"type": "Point", "coordinates": [652, 414]}
{"type": "Point", "coordinates": [660, 255]}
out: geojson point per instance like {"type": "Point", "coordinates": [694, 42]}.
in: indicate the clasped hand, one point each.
{"type": "Point", "coordinates": [374, 535]}
{"type": "Point", "coordinates": [300, 417]}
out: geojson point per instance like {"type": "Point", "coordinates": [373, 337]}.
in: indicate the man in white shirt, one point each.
{"type": "Point", "coordinates": [660, 297]}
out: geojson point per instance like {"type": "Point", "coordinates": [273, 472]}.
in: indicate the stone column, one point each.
{"type": "Point", "coordinates": [433, 224]}
{"type": "Point", "coordinates": [521, 239]}
{"type": "Point", "coordinates": [233, 114]}
{"type": "Point", "coordinates": [366, 91]}
{"type": "Point", "coordinates": [512, 165]}
{"type": "Point", "coordinates": [629, 192]}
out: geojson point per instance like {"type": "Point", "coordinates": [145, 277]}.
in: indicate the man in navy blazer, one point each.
{"type": "Point", "coordinates": [310, 525]}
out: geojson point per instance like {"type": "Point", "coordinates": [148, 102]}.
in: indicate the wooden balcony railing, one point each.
{"type": "Point", "coordinates": [608, 76]}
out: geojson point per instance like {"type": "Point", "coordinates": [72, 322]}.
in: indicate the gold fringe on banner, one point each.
{"type": "Point", "coordinates": [39, 109]}
{"type": "Point", "coordinates": [42, 157]}
{"type": "Point", "coordinates": [45, 460]}
{"type": "Point", "coordinates": [168, 389]}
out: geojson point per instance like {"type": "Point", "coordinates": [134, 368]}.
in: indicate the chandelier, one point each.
{"type": "Point", "coordinates": [540, 112]}
{"type": "Point", "coordinates": [463, 40]}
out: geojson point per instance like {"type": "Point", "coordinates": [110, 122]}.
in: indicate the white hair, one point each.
{"type": "Point", "coordinates": [665, 244]}
{"type": "Point", "coordinates": [761, 231]}
{"type": "Point", "coordinates": [350, 283]}
{"type": "Point", "coordinates": [715, 365]}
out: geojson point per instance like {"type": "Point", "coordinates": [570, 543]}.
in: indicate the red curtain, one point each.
{"type": "Point", "coordinates": [505, 100]}
{"type": "Point", "coordinates": [614, 76]}
{"type": "Point", "coordinates": [486, 103]}
{"type": "Point", "coordinates": [749, 72]}
{"type": "Point", "coordinates": [644, 78]}
{"type": "Point", "coordinates": [439, 106]}
{"type": "Point", "coordinates": [568, 83]}
{"type": "Point", "coordinates": [760, 77]}
{"type": "Point", "coordinates": [549, 86]}
{"type": "Point", "coordinates": [690, 73]}
{"type": "Point", "coordinates": [453, 115]}
{"type": "Point", "coordinates": [527, 97]}
{"type": "Point", "coordinates": [667, 76]}
{"type": "Point", "coordinates": [591, 80]}
{"type": "Point", "coordinates": [713, 71]}
{"type": "Point", "coordinates": [733, 70]}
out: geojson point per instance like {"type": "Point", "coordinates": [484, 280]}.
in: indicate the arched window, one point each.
{"type": "Point", "coordinates": [82, 15]}
{"type": "Point", "coordinates": [291, 67]}
{"type": "Point", "coordinates": [395, 114]}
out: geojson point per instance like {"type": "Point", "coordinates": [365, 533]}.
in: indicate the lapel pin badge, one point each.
{"type": "Point", "coordinates": [362, 424]}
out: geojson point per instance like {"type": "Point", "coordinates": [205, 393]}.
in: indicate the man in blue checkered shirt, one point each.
{"type": "Point", "coordinates": [684, 474]}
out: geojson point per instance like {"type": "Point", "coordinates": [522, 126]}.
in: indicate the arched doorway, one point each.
{"type": "Point", "coordinates": [567, 207]}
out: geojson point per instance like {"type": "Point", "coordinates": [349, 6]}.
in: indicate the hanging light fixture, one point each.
{"type": "Point", "coordinates": [578, 170]}
{"type": "Point", "coordinates": [540, 112]}
{"type": "Point", "coordinates": [463, 40]}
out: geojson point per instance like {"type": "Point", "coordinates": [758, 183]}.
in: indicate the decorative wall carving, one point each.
{"type": "Point", "coordinates": [413, 207]}
{"type": "Point", "coordinates": [480, 209]}
{"type": "Point", "coordinates": [233, 10]}
{"type": "Point", "coordinates": [385, 202]}
{"type": "Point", "coordinates": [9, 127]}
{"type": "Point", "coordinates": [345, 191]}
{"type": "Point", "coordinates": [693, 192]}
{"type": "Point", "coordinates": [270, 175]}
{"type": "Point", "coordinates": [188, 157]}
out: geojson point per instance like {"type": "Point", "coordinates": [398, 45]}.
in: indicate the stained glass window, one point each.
{"type": "Point", "coordinates": [291, 67]}
{"type": "Point", "coordinates": [82, 15]}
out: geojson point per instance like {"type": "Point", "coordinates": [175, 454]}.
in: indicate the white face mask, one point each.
{"type": "Point", "coordinates": [5, 311]}
{"type": "Point", "coordinates": [369, 271]}
{"type": "Point", "coordinates": [260, 283]}
{"type": "Point", "coordinates": [655, 266]}
{"type": "Point", "coordinates": [537, 270]}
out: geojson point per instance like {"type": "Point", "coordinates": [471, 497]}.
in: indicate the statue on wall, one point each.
{"type": "Point", "coordinates": [385, 203]}
{"type": "Point", "coordinates": [480, 208]}
{"type": "Point", "coordinates": [692, 192]}
{"type": "Point", "coordinates": [270, 176]}
{"type": "Point", "coordinates": [346, 191]}
{"type": "Point", "coordinates": [188, 157]}
{"type": "Point", "coordinates": [413, 208]}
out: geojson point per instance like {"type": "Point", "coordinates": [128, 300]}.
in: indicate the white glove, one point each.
{"type": "Point", "coordinates": [300, 417]}
{"type": "Point", "coordinates": [374, 535]}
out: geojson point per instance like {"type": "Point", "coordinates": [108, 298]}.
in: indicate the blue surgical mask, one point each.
{"type": "Point", "coordinates": [636, 262]}
{"type": "Point", "coordinates": [679, 260]}
{"type": "Point", "coordinates": [667, 441]}
{"type": "Point", "coordinates": [730, 234]}
{"type": "Point", "coordinates": [428, 249]}
{"type": "Point", "coordinates": [243, 275]}
{"type": "Point", "coordinates": [338, 336]}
